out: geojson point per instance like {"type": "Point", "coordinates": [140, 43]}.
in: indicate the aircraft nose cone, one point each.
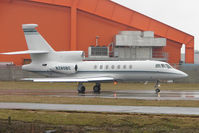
{"type": "Point", "coordinates": [183, 74]}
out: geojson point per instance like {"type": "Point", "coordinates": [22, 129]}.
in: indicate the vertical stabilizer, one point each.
{"type": "Point", "coordinates": [34, 40]}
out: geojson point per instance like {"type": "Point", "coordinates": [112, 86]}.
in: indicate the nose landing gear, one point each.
{"type": "Point", "coordinates": [157, 85]}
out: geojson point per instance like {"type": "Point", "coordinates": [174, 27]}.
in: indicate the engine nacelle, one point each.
{"type": "Point", "coordinates": [66, 68]}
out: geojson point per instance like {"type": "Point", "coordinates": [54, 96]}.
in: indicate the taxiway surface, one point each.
{"type": "Point", "coordinates": [102, 108]}
{"type": "Point", "coordinates": [127, 94]}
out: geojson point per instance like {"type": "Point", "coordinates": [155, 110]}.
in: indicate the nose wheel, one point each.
{"type": "Point", "coordinates": [157, 85]}
{"type": "Point", "coordinates": [157, 90]}
{"type": "Point", "coordinates": [81, 88]}
{"type": "Point", "coordinates": [97, 88]}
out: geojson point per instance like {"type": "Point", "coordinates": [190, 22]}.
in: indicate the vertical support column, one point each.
{"type": "Point", "coordinates": [73, 32]}
{"type": "Point", "coordinates": [189, 52]}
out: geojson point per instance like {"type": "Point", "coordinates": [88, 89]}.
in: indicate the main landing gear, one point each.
{"type": "Point", "coordinates": [97, 88]}
{"type": "Point", "coordinates": [81, 88]}
{"type": "Point", "coordinates": [157, 85]}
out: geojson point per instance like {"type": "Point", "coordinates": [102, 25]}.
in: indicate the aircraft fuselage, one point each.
{"type": "Point", "coordinates": [119, 70]}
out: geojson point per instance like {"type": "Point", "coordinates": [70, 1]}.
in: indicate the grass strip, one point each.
{"type": "Point", "coordinates": [96, 101]}
{"type": "Point", "coordinates": [102, 122]}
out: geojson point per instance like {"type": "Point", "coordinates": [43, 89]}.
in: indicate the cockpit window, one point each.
{"type": "Point", "coordinates": [163, 66]}
{"type": "Point", "coordinates": [168, 66]}
{"type": "Point", "coordinates": [157, 66]}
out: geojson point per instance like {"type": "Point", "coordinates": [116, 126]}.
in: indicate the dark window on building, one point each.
{"type": "Point", "coordinates": [99, 51]}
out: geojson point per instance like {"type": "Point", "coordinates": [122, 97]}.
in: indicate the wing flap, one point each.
{"type": "Point", "coordinates": [94, 79]}
{"type": "Point", "coordinates": [26, 52]}
{"type": "Point", "coordinates": [100, 79]}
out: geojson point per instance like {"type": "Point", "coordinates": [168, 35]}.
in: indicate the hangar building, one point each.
{"type": "Point", "coordinates": [78, 24]}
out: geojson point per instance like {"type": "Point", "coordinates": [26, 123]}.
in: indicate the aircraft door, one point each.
{"type": "Point", "coordinates": [76, 68]}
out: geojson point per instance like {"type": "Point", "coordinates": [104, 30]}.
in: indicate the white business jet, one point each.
{"type": "Point", "coordinates": [68, 66]}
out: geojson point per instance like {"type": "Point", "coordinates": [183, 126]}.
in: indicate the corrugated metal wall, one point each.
{"type": "Point", "coordinates": [57, 27]}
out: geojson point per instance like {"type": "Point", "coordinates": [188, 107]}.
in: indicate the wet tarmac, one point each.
{"type": "Point", "coordinates": [102, 108]}
{"type": "Point", "coordinates": [127, 94]}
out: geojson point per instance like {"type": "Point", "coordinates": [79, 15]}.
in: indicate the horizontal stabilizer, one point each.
{"type": "Point", "coordinates": [26, 52]}
{"type": "Point", "coordinates": [95, 79]}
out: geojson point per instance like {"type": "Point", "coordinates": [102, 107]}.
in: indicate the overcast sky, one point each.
{"type": "Point", "coordinates": [181, 14]}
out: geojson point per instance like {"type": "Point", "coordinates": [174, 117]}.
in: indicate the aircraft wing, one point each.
{"type": "Point", "coordinates": [26, 52]}
{"type": "Point", "coordinates": [90, 79]}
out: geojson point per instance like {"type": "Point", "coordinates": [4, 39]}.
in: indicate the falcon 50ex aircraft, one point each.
{"type": "Point", "coordinates": [68, 66]}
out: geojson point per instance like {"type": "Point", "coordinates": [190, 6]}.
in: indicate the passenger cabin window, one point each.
{"type": "Point", "coordinates": [124, 67]}
{"type": "Point", "coordinates": [101, 66]}
{"type": "Point", "coordinates": [95, 67]}
{"type": "Point", "coordinates": [163, 66]}
{"type": "Point", "coordinates": [106, 66]}
{"type": "Point", "coordinates": [130, 66]}
{"type": "Point", "coordinates": [157, 66]}
{"type": "Point", "coordinates": [44, 64]}
{"type": "Point", "coordinates": [112, 66]}
{"type": "Point", "coordinates": [118, 66]}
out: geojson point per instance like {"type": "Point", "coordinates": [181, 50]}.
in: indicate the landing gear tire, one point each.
{"type": "Point", "coordinates": [96, 88]}
{"type": "Point", "coordinates": [157, 90]}
{"type": "Point", "coordinates": [157, 85]}
{"type": "Point", "coordinates": [81, 89]}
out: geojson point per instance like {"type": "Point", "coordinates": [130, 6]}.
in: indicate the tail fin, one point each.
{"type": "Point", "coordinates": [38, 48]}
{"type": "Point", "coordinates": [34, 40]}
